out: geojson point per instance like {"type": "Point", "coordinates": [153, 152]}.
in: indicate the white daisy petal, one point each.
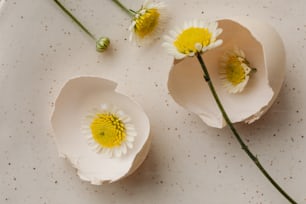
{"type": "Point", "coordinates": [234, 71]}
{"type": "Point", "coordinates": [191, 54]}
{"type": "Point", "coordinates": [129, 144]}
{"type": "Point", "coordinates": [149, 14]}
{"type": "Point", "coordinates": [97, 148]}
{"type": "Point", "coordinates": [198, 46]}
{"type": "Point", "coordinates": [130, 127]}
{"type": "Point", "coordinates": [186, 25]}
{"type": "Point", "coordinates": [168, 39]}
{"type": "Point", "coordinates": [117, 152]}
{"type": "Point", "coordinates": [195, 23]}
{"type": "Point", "coordinates": [219, 42]}
{"type": "Point", "coordinates": [131, 134]}
{"type": "Point", "coordinates": [218, 32]}
{"type": "Point", "coordinates": [130, 139]}
{"type": "Point", "coordinates": [184, 39]}
{"type": "Point", "coordinates": [126, 119]}
{"type": "Point", "coordinates": [124, 149]}
{"type": "Point", "coordinates": [174, 33]}
{"type": "Point", "coordinates": [212, 26]}
{"type": "Point", "coordinates": [110, 131]}
{"type": "Point", "coordinates": [103, 107]}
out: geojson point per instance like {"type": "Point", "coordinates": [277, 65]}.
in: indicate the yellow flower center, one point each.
{"type": "Point", "coordinates": [186, 41]}
{"type": "Point", "coordinates": [235, 72]}
{"type": "Point", "coordinates": [108, 130]}
{"type": "Point", "coordinates": [147, 22]}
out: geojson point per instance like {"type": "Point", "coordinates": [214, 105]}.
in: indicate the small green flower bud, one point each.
{"type": "Point", "coordinates": [102, 44]}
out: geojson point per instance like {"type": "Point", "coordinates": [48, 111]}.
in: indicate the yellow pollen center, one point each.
{"type": "Point", "coordinates": [108, 130]}
{"type": "Point", "coordinates": [186, 41]}
{"type": "Point", "coordinates": [147, 22]}
{"type": "Point", "coordinates": [235, 72]}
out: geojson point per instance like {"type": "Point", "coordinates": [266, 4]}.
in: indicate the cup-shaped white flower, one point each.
{"type": "Point", "coordinates": [104, 134]}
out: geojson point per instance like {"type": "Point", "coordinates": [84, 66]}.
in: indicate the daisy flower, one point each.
{"type": "Point", "coordinates": [109, 131]}
{"type": "Point", "coordinates": [195, 37]}
{"type": "Point", "coordinates": [146, 21]}
{"type": "Point", "coordinates": [235, 70]}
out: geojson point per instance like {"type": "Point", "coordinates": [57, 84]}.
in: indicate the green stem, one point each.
{"type": "Point", "coordinates": [230, 124]}
{"type": "Point", "coordinates": [75, 20]}
{"type": "Point", "coordinates": [128, 11]}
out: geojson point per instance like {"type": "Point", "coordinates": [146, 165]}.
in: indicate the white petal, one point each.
{"type": "Point", "coordinates": [168, 39]}
{"type": "Point", "coordinates": [124, 148]}
{"type": "Point", "coordinates": [129, 144]}
{"type": "Point", "coordinates": [130, 138]}
{"type": "Point", "coordinates": [174, 33]}
{"type": "Point", "coordinates": [104, 106]}
{"type": "Point", "coordinates": [117, 152]}
{"type": "Point", "coordinates": [218, 42]}
{"type": "Point", "coordinates": [195, 23]}
{"type": "Point", "coordinates": [198, 46]}
{"type": "Point", "coordinates": [132, 133]}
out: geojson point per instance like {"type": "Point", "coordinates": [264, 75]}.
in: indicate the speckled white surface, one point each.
{"type": "Point", "coordinates": [40, 49]}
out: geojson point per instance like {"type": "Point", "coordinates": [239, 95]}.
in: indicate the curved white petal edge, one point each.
{"type": "Point", "coordinates": [76, 98]}
{"type": "Point", "coordinates": [264, 50]}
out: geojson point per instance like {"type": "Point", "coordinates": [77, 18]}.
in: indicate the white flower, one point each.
{"type": "Point", "coordinates": [235, 70]}
{"type": "Point", "coordinates": [109, 131]}
{"type": "Point", "coordinates": [147, 21]}
{"type": "Point", "coordinates": [195, 37]}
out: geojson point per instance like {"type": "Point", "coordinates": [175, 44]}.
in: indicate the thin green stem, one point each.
{"type": "Point", "coordinates": [75, 20]}
{"type": "Point", "coordinates": [128, 11]}
{"type": "Point", "coordinates": [233, 129]}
